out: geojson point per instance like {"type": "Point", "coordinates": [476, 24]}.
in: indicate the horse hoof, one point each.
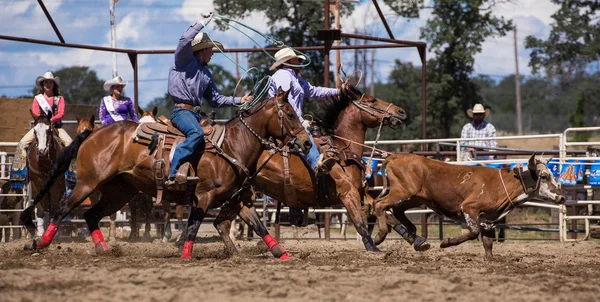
{"type": "Point", "coordinates": [100, 250]}
{"type": "Point", "coordinates": [30, 246]}
{"type": "Point", "coordinates": [285, 256]}
{"type": "Point", "coordinates": [165, 240]}
{"type": "Point", "coordinates": [421, 244]}
{"type": "Point", "coordinates": [374, 249]}
{"type": "Point", "coordinates": [445, 243]}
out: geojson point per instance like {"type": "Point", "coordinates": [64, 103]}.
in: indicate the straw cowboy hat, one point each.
{"type": "Point", "coordinates": [47, 76]}
{"type": "Point", "coordinates": [116, 81]}
{"type": "Point", "coordinates": [202, 41]}
{"type": "Point", "coordinates": [283, 55]}
{"type": "Point", "coordinates": [478, 108]}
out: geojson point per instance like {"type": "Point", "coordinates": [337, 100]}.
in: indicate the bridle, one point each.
{"type": "Point", "coordinates": [372, 110]}
{"type": "Point", "coordinates": [290, 139]}
{"type": "Point", "coordinates": [49, 140]}
{"type": "Point", "coordinates": [286, 129]}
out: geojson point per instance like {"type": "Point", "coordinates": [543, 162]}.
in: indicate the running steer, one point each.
{"type": "Point", "coordinates": [479, 196]}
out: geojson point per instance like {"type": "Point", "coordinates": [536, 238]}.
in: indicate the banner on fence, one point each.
{"type": "Point", "coordinates": [594, 179]}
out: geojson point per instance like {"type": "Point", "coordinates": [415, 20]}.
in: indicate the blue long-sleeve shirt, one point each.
{"type": "Point", "coordinates": [299, 89]}
{"type": "Point", "coordinates": [190, 80]}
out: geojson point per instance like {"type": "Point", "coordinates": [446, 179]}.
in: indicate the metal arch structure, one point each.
{"type": "Point", "coordinates": [390, 42]}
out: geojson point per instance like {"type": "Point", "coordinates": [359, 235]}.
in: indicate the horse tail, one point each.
{"type": "Point", "coordinates": [62, 165]}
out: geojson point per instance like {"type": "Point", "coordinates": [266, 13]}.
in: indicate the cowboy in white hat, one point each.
{"type": "Point", "coordinates": [47, 102]}
{"type": "Point", "coordinates": [115, 107]}
{"type": "Point", "coordinates": [189, 82]}
{"type": "Point", "coordinates": [479, 128]}
{"type": "Point", "coordinates": [287, 64]}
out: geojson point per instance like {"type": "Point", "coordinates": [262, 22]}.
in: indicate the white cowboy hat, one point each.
{"type": "Point", "coordinates": [202, 41]}
{"type": "Point", "coordinates": [47, 76]}
{"type": "Point", "coordinates": [116, 81]}
{"type": "Point", "coordinates": [478, 108]}
{"type": "Point", "coordinates": [283, 55]}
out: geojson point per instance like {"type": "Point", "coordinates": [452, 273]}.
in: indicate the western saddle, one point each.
{"type": "Point", "coordinates": [162, 138]}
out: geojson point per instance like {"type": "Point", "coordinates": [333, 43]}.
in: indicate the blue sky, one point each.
{"type": "Point", "coordinates": [153, 24]}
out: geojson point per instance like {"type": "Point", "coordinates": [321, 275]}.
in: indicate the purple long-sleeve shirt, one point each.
{"type": "Point", "coordinates": [190, 80]}
{"type": "Point", "coordinates": [299, 89]}
{"type": "Point", "coordinates": [123, 107]}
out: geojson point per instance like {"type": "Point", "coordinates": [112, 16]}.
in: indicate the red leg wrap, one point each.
{"type": "Point", "coordinates": [187, 250]}
{"type": "Point", "coordinates": [275, 248]}
{"type": "Point", "coordinates": [98, 239]}
{"type": "Point", "coordinates": [48, 235]}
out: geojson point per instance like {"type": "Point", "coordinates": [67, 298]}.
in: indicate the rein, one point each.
{"type": "Point", "coordinates": [290, 138]}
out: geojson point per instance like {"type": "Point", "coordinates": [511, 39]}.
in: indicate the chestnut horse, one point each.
{"type": "Point", "coordinates": [111, 161]}
{"type": "Point", "coordinates": [477, 196]}
{"type": "Point", "coordinates": [41, 157]}
{"type": "Point", "coordinates": [347, 117]}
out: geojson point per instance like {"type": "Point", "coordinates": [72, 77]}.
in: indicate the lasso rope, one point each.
{"type": "Point", "coordinates": [260, 87]}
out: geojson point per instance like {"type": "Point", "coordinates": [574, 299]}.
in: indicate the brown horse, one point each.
{"type": "Point", "coordinates": [109, 160]}
{"type": "Point", "coordinates": [41, 157]}
{"type": "Point", "coordinates": [10, 203]}
{"type": "Point", "coordinates": [348, 117]}
{"type": "Point", "coordinates": [477, 196]}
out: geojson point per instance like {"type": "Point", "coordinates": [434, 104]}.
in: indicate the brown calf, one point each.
{"type": "Point", "coordinates": [479, 196]}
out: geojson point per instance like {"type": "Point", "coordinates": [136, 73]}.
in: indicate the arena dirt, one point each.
{"type": "Point", "coordinates": [319, 271]}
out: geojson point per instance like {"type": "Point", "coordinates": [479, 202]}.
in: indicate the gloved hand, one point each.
{"type": "Point", "coordinates": [205, 18]}
{"type": "Point", "coordinates": [306, 124]}
{"type": "Point", "coordinates": [247, 98]}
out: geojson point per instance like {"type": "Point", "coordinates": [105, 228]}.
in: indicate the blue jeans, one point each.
{"type": "Point", "coordinates": [187, 122]}
{"type": "Point", "coordinates": [313, 155]}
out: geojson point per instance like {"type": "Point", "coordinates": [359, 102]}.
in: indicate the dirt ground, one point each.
{"type": "Point", "coordinates": [319, 271]}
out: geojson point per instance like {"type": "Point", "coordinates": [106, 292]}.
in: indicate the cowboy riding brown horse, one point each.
{"type": "Point", "coordinates": [347, 120]}
{"type": "Point", "coordinates": [111, 161]}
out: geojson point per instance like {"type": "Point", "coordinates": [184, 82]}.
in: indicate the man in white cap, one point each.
{"type": "Point", "coordinates": [479, 128]}
{"type": "Point", "coordinates": [287, 78]}
{"type": "Point", "coordinates": [189, 82]}
{"type": "Point", "coordinates": [48, 102]}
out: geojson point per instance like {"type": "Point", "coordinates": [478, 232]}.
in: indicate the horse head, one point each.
{"type": "Point", "coordinates": [147, 116]}
{"type": "Point", "coordinates": [42, 127]}
{"type": "Point", "coordinates": [374, 111]}
{"type": "Point", "coordinates": [85, 124]}
{"type": "Point", "coordinates": [281, 122]}
{"type": "Point", "coordinates": [546, 187]}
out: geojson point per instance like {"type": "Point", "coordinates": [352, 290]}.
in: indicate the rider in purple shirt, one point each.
{"type": "Point", "coordinates": [286, 77]}
{"type": "Point", "coordinates": [116, 107]}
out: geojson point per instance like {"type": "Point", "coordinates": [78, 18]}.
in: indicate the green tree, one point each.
{"type": "Point", "coordinates": [455, 33]}
{"type": "Point", "coordinates": [576, 118]}
{"type": "Point", "coordinates": [303, 19]}
{"type": "Point", "coordinates": [79, 85]}
{"type": "Point", "coordinates": [573, 43]}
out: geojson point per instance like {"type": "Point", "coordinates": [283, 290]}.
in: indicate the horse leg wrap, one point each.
{"type": "Point", "coordinates": [400, 229]}
{"type": "Point", "coordinates": [98, 240]}
{"type": "Point", "coordinates": [187, 250]}
{"type": "Point", "coordinates": [276, 250]}
{"type": "Point", "coordinates": [48, 235]}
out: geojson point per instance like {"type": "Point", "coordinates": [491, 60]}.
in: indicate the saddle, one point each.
{"type": "Point", "coordinates": [327, 148]}
{"type": "Point", "coordinates": [162, 138]}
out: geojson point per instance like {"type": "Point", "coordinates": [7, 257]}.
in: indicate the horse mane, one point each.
{"type": "Point", "coordinates": [330, 108]}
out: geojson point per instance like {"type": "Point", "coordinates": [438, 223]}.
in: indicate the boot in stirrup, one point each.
{"type": "Point", "coordinates": [324, 165]}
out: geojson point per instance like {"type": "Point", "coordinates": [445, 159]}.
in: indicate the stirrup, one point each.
{"type": "Point", "coordinates": [324, 165]}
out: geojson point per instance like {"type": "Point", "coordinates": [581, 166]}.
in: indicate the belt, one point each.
{"type": "Point", "coordinates": [196, 109]}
